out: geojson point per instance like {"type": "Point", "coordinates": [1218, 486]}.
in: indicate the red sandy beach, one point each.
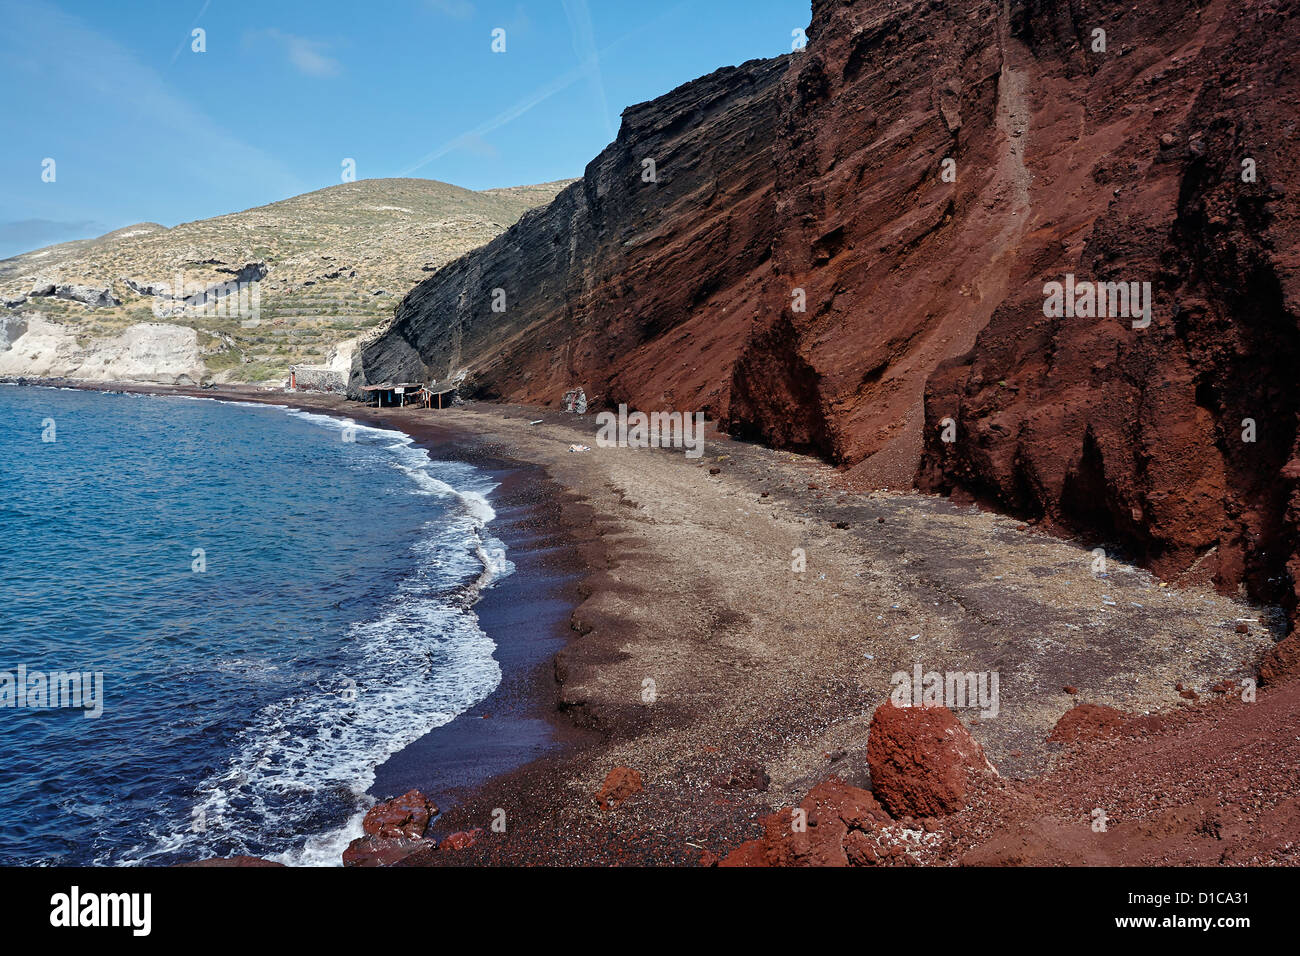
{"type": "Point", "coordinates": [641, 568]}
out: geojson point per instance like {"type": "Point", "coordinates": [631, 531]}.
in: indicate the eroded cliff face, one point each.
{"type": "Point", "coordinates": [754, 278]}
{"type": "Point", "coordinates": [635, 283]}
{"type": "Point", "coordinates": [1174, 163]}
{"type": "Point", "coordinates": [152, 352]}
{"type": "Point", "coordinates": [845, 247]}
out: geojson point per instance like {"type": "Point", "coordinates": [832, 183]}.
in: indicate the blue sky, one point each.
{"type": "Point", "coordinates": [142, 128]}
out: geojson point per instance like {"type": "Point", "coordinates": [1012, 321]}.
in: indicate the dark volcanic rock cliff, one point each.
{"type": "Point", "coordinates": [914, 178]}
{"type": "Point", "coordinates": [626, 276]}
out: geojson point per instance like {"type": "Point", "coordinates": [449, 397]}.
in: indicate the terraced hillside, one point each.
{"type": "Point", "coordinates": [328, 266]}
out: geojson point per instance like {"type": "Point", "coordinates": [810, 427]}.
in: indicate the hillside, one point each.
{"type": "Point", "coordinates": [332, 264]}
{"type": "Point", "coordinates": [847, 251]}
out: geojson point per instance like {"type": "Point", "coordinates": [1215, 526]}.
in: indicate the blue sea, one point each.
{"type": "Point", "coordinates": [277, 602]}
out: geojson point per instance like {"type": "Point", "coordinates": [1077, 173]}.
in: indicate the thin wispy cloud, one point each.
{"type": "Point", "coordinates": [584, 45]}
{"type": "Point", "coordinates": [306, 55]}
{"type": "Point", "coordinates": [478, 133]}
{"type": "Point", "coordinates": [189, 37]}
{"type": "Point", "coordinates": [99, 76]}
{"type": "Point", "coordinates": [538, 96]}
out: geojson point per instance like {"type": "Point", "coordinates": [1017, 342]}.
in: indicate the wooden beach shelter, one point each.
{"type": "Point", "coordinates": [434, 395]}
{"type": "Point", "coordinates": [390, 394]}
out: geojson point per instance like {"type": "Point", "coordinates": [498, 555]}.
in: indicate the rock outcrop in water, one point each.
{"type": "Point", "coordinates": [846, 249]}
{"type": "Point", "coordinates": [392, 831]}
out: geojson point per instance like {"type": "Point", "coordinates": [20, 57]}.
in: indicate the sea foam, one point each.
{"type": "Point", "coordinates": [418, 662]}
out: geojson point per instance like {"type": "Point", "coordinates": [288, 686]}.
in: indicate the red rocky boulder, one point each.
{"type": "Point", "coordinates": [1087, 721]}
{"type": "Point", "coordinates": [921, 759]}
{"type": "Point", "coordinates": [460, 841]}
{"type": "Point", "coordinates": [404, 816]}
{"type": "Point", "coordinates": [393, 830]}
{"type": "Point", "coordinates": [620, 783]}
{"type": "Point", "coordinates": [1282, 662]}
{"type": "Point", "coordinates": [381, 851]}
{"type": "Point", "coordinates": [833, 830]}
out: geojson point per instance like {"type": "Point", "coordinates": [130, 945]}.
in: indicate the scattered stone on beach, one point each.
{"type": "Point", "coordinates": [920, 760]}
{"type": "Point", "coordinates": [393, 831]}
{"type": "Point", "coordinates": [718, 819]}
{"type": "Point", "coordinates": [1087, 721]}
{"type": "Point", "coordinates": [461, 840]}
{"type": "Point", "coordinates": [382, 851]}
{"type": "Point", "coordinates": [837, 825]}
{"type": "Point", "coordinates": [404, 816]}
{"type": "Point", "coordinates": [746, 775]}
{"type": "Point", "coordinates": [620, 783]}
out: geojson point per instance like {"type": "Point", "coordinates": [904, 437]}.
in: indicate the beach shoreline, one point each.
{"type": "Point", "coordinates": [762, 679]}
{"type": "Point", "coordinates": [526, 613]}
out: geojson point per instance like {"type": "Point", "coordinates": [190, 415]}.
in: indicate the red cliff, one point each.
{"type": "Point", "coordinates": [845, 250]}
